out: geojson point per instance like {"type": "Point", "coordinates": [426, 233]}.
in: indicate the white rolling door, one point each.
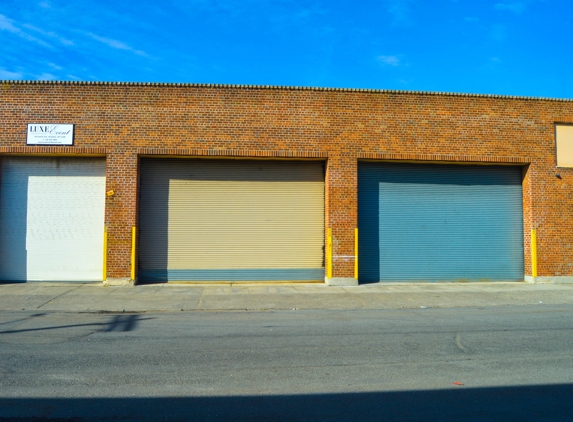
{"type": "Point", "coordinates": [52, 218]}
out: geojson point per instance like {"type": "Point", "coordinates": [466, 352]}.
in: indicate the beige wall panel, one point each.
{"type": "Point", "coordinates": [564, 138]}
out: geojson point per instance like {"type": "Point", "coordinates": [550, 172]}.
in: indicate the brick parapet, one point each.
{"type": "Point", "coordinates": [6, 83]}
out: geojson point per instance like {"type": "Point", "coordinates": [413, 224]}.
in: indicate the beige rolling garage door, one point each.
{"type": "Point", "coordinates": [52, 213]}
{"type": "Point", "coordinates": [231, 220]}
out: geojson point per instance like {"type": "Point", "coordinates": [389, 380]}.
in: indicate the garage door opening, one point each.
{"type": "Point", "coordinates": [430, 222]}
{"type": "Point", "coordinates": [52, 212]}
{"type": "Point", "coordinates": [231, 220]}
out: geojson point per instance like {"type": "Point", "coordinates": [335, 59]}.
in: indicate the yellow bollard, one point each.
{"type": "Point", "coordinates": [105, 253]}
{"type": "Point", "coordinates": [133, 253]}
{"type": "Point", "coordinates": [533, 253]}
{"type": "Point", "coordinates": [356, 253]}
{"type": "Point", "coordinates": [329, 253]}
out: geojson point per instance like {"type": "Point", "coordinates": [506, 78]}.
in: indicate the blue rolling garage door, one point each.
{"type": "Point", "coordinates": [431, 222]}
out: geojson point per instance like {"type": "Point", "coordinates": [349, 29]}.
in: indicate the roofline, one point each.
{"type": "Point", "coordinates": [280, 87]}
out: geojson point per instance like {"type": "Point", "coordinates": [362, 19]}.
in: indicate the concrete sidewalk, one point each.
{"type": "Point", "coordinates": [256, 297]}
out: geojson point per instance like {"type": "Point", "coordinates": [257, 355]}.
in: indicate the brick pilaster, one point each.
{"type": "Point", "coordinates": [121, 211]}
{"type": "Point", "coordinates": [341, 211]}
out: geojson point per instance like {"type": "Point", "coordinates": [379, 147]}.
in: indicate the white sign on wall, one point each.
{"type": "Point", "coordinates": [50, 134]}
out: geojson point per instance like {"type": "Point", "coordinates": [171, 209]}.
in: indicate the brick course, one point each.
{"type": "Point", "coordinates": [126, 121]}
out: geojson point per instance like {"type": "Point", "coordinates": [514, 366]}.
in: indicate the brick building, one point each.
{"type": "Point", "coordinates": [207, 183]}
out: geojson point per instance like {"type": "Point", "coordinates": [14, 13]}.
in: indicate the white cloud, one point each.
{"type": "Point", "coordinates": [45, 77]}
{"type": "Point", "coordinates": [7, 24]}
{"type": "Point", "coordinates": [63, 40]}
{"type": "Point", "coordinates": [471, 19]}
{"type": "Point", "coordinates": [515, 7]}
{"type": "Point", "coordinates": [118, 45]}
{"type": "Point", "coordinates": [389, 60]}
{"type": "Point", "coordinates": [6, 74]}
{"type": "Point", "coordinates": [55, 66]}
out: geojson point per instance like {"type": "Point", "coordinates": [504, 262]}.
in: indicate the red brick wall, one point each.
{"type": "Point", "coordinates": [125, 121]}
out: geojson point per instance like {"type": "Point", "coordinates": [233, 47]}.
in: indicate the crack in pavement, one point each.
{"type": "Point", "coordinates": [60, 295]}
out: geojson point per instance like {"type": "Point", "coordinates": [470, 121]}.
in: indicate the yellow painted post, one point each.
{"type": "Point", "coordinates": [104, 253]}
{"type": "Point", "coordinates": [329, 253]}
{"type": "Point", "coordinates": [533, 253]}
{"type": "Point", "coordinates": [356, 253]}
{"type": "Point", "coordinates": [133, 253]}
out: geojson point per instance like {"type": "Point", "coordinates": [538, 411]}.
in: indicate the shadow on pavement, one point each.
{"type": "Point", "coordinates": [118, 323]}
{"type": "Point", "coordinates": [520, 403]}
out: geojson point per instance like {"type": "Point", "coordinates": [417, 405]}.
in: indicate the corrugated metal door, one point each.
{"type": "Point", "coordinates": [52, 218]}
{"type": "Point", "coordinates": [231, 220]}
{"type": "Point", "coordinates": [424, 222]}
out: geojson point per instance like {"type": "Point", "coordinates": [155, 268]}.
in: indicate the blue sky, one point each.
{"type": "Point", "coordinates": [511, 47]}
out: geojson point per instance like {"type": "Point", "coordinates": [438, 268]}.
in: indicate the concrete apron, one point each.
{"type": "Point", "coordinates": [549, 280]}
{"type": "Point", "coordinates": [334, 281]}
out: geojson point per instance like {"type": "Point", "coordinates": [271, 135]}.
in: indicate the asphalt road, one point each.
{"type": "Point", "coordinates": [515, 364]}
